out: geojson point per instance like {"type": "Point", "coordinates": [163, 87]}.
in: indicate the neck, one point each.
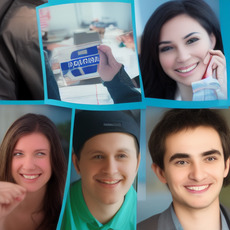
{"type": "Point", "coordinates": [185, 92]}
{"type": "Point", "coordinates": [101, 211]}
{"type": "Point", "coordinates": [105, 213]}
{"type": "Point", "coordinates": [201, 218]}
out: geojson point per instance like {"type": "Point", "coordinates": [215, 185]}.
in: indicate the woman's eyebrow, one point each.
{"type": "Point", "coordinates": [168, 42]}
{"type": "Point", "coordinates": [36, 150]}
{"type": "Point", "coordinates": [190, 34]}
{"type": "Point", "coordinates": [164, 43]}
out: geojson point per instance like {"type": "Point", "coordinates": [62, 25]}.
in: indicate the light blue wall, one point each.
{"type": "Point", "coordinates": [70, 16]}
{"type": "Point", "coordinates": [144, 9]}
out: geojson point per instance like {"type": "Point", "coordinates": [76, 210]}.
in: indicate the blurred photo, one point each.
{"type": "Point", "coordinates": [91, 52]}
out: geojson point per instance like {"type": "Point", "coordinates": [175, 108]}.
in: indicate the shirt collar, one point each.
{"type": "Point", "coordinates": [179, 227]}
{"type": "Point", "coordinates": [122, 216]}
{"type": "Point", "coordinates": [175, 219]}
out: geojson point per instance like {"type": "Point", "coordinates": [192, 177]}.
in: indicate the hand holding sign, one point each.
{"type": "Point", "coordinates": [108, 66]}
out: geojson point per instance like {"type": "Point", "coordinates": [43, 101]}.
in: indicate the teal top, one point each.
{"type": "Point", "coordinates": [78, 217]}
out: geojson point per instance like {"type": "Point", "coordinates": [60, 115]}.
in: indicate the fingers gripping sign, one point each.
{"type": "Point", "coordinates": [11, 195]}
{"type": "Point", "coordinates": [108, 66]}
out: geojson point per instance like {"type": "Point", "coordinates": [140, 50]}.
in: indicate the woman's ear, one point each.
{"type": "Point", "coordinates": [213, 40]}
{"type": "Point", "coordinates": [76, 163]}
{"type": "Point", "coordinates": [159, 173]}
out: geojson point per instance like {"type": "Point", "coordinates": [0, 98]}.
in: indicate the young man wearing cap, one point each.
{"type": "Point", "coordinates": [190, 150]}
{"type": "Point", "coordinates": [106, 155]}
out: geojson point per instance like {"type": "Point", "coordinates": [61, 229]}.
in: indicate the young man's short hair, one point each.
{"type": "Point", "coordinates": [176, 120]}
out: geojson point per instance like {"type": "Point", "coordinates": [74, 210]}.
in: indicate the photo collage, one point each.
{"type": "Point", "coordinates": [114, 114]}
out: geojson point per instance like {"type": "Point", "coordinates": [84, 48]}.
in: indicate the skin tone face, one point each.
{"type": "Point", "coordinates": [31, 167]}
{"type": "Point", "coordinates": [184, 49]}
{"type": "Point", "coordinates": [194, 168]}
{"type": "Point", "coordinates": [108, 166]}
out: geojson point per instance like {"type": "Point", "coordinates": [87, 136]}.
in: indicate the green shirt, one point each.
{"type": "Point", "coordinates": [78, 217]}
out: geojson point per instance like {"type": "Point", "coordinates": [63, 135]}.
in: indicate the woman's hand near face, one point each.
{"type": "Point", "coordinates": [218, 64]}
{"type": "Point", "coordinates": [11, 195]}
{"type": "Point", "coordinates": [108, 66]}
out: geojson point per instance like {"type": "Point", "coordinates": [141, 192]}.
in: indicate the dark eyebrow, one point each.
{"type": "Point", "coordinates": [213, 151]}
{"type": "Point", "coordinates": [168, 42]}
{"type": "Point", "coordinates": [185, 155]}
{"type": "Point", "coordinates": [164, 43]}
{"type": "Point", "coordinates": [178, 155]}
{"type": "Point", "coordinates": [190, 34]}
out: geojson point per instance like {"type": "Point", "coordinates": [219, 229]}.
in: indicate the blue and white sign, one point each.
{"type": "Point", "coordinates": [82, 62]}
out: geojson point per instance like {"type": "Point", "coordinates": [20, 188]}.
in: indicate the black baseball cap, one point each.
{"type": "Point", "coordinates": [91, 123]}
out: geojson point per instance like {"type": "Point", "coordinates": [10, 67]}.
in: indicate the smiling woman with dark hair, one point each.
{"type": "Point", "coordinates": [182, 45]}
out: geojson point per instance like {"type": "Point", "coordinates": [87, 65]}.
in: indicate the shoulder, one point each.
{"type": "Point", "coordinates": [75, 191]}
{"type": "Point", "coordinates": [226, 213]}
{"type": "Point", "coordinates": [76, 185]}
{"type": "Point", "coordinates": [159, 221]}
{"type": "Point", "coordinates": [150, 223]}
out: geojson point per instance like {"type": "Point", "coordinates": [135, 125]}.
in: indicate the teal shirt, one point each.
{"type": "Point", "coordinates": [78, 217]}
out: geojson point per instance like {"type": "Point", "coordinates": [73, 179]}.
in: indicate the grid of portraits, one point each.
{"type": "Point", "coordinates": [114, 114]}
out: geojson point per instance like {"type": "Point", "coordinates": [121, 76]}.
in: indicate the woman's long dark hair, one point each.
{"type": "Point", "coordinates": [157, 84]}
{"type": "Point", "coordinates": [25, 125]}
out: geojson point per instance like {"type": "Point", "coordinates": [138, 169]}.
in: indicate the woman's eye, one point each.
{"type": "Point", "coordinates": [17, 154]}
{"type": "Point", "coordinates": [165, 49]}
{"type": "Point", "coordinates": [41, 154]}
{"type": "Point", "coordinates": [192, 40]}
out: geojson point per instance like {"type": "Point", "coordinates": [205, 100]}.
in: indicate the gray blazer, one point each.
{"type": "Point", "coordinates": [164, 221]}
{"type": "Point", "coordinates": [161, 221]}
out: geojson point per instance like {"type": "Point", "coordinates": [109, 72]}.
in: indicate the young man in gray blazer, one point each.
{"type": "Point", "coordinates": [190, 150]}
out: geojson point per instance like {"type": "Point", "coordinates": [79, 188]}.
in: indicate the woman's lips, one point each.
{"type": "Point", "coordinates": [187, 68]}
{"type": "Point", "coordinates": [30, 176]}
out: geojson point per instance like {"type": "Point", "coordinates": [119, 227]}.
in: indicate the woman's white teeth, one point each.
{"type": "Point", "coordinates": [198, 188]}
{"type": "Point", "coordinates": [188, 69]}
{"type": "Point", "coordinates": [31, 177]}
